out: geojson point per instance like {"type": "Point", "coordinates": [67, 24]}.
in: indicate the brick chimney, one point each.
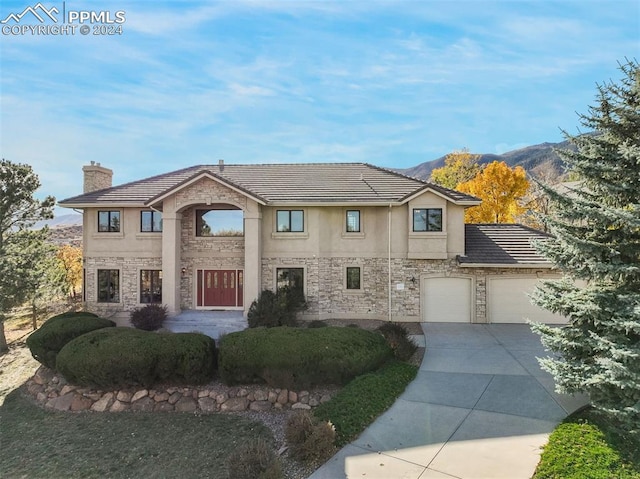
{"type": "Point", "coordinates": [96, 177]}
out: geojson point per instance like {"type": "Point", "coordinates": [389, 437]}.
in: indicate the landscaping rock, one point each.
{"type": "Point", "coordinates": [283, 397]}
{"type": "Point", "coordinates": [139, 395]}
{"type": "Point", "coordinates": [186, 404]}
{"type": "Point", "coordinates": [61, 403]}
{"type": "Point", "coordinates": [272, 396]}
{"type": "Point", "coordinates": [222, 397]}
{"type": "Point", "coordinates": [163, 407]}
{"type": "Point", "coordinates": [325, 398]}
{"type": "Point", "coordinates": [243, 393]}
{"type": "Point", "coordinates": [207, 404]}
{"type": "Point", "coordinates": [161, 397]}
{"type": "Point", "coordinates": [119, 406]}
{"type": "Point", "coordinates": [103, 403]}
{"type": "Point", "coordinates": [124, 396]}
{"type": "Point", "coordinates": [80, 403]}
{"type": "Point", "coordinates": [203, 394]}
{"type": "Point", "coordinates": [313, 402]}
{"type": "Point", "coordinates": [67, 389]}
{"type": "Point", "coordinates": [144, 404]}
{"type": "Point", "coordinates": [293, 397]}
{"type": "Point", "coordinates": [174, 398]}
{"type": "Point", "coordinates": [235, 404]}
{"type": "Point", "coordinates": [299, 405]}
{"type": "Point", "coordinates": [261, 395]}
{"type": "Point", "coordinates": [260, 406]}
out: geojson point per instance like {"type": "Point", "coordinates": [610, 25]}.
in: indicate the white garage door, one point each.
{"type": "Point", "coordinates": [446, 300]}
{"type": "Point", "coordinates": [509, 302]}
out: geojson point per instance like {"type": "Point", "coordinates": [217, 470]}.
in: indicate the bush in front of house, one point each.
{"type": "Point", "coordinates": [300, 357]}
{"type": "Point", "coordinates": [46, 342]}
{"type": "Point", "coordinates": [361, 401]}
{"type": "Point", "coordinates": [149, 317]}
{"type": "Point", "coordinates": [122, 357]}
{"type": "Point", "coordinates": [276, 309]}
{"type": "Point", "coordinates": [398, 338]}
{"type": "Point", "coordinates": [254, 460]}
{"type": "Point", "coordinates": [310, 440]}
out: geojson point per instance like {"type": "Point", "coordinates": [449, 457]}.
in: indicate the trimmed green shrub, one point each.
{"type": "Point", "coordinates": [122, 357]}
{"type": "Point", "coordinates": [361, 401]}
{"type": "Point", "coordinates": [149, 317]}
{"type": "Point", "coordinates": [254, 460]}
{"type": "Point", "coordinates": [46, 342]}
{"type": "Point", "coordinates": [276, 309]}
{"type": "Point", "coordinates": [310, 440]}
{"type": "Point", "coordinates": [398, 338]}
{"type": "Point", "coordinates": [300, 357]}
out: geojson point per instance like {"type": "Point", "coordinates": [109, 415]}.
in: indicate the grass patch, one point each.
{"type": "Point", "coordinates": [43, 444]}
{"type": "Point", "coordinates": [364, 399]}
{"type": "Point", "coordinates": [585, 446]}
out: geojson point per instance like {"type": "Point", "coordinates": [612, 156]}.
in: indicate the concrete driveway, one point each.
{"type": "Point", "coordinates": [480, 407]}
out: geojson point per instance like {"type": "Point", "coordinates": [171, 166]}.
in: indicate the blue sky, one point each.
{"type": "Point", "coordinates": [389, 83]}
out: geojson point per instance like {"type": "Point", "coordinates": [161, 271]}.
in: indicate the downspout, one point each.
{"type": "Point", "coordinates": [389, 257]}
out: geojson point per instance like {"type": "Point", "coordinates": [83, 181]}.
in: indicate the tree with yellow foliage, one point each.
{"type": "Point", "coordinates": [459, 166]}
{"type": "Point", "coordinates": [500, 188]}
{"type": "Point", "coordinates": [70, 258]}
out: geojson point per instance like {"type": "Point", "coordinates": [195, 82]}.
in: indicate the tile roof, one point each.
{"type": "Point", "coordinates": [502, 244]}
{"type": "Point", "coordinates": [275, 183]}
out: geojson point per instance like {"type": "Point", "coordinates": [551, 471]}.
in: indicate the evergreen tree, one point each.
{"type": "Point", "coordinates": [596, 245]}
{"type": "Point", "coordinates": [19, 211]}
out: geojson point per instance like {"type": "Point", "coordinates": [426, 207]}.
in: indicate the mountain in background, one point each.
{"type": "Point", "coordinates": [62, 221]}
{"type": "Point", "coordinates": [537, 160]}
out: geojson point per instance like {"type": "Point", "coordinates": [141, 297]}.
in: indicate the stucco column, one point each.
{"type": "Point", "coordinates": [252, 256]}
{"type": "Point", "coordinates": [171, 272]}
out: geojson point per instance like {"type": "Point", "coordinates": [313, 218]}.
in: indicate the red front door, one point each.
{"type": "Point", "coordinates": [219, 288]}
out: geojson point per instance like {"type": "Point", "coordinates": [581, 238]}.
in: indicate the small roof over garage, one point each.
{"type": "Point", "coordinates": [503, 246]}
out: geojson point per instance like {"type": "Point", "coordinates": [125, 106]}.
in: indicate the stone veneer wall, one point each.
{"type": "Point", "coordinates": [328, 298]}
{"type": "Point", "coordinates": [129, 282]}
{"type": "Point", "coordinates": [204, 253]}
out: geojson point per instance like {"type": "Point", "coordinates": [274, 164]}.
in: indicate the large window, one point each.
{"type": "Point", "coordinates": [219, 222]}
{"type": "Point", "coordinates": [353, 221]}
{"type": "Point", "coordinates": [427, 219]}
{"type": "Point", "coordinates": [290, 221]}
{"type": "Point", "coordinates": [150, 221]}
{"type": "Point", "coordinates": [108, 286]}
{"type": "Point", "coordinates": [290, 277]}
{"type": "Point", "coordinates": [108, 221]}
{"type": "Point", "coordinates": [354, 277]}
{"type": "Point", "coordinates": [151, 286]}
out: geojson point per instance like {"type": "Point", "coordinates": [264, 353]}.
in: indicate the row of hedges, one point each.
{"type": "Point", "coordinates": [91, 351]}
{"type": "Point", "coordinates": [130, 357]}
{"type": "Point", "coordinates": [295, 358]}
{"type": "Point", "coordinates": [87, 350]}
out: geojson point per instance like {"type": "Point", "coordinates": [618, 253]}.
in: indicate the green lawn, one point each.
{"type": "Point", "coordinates": [585, 446]}
{"type": "Point", "coordinates": [41, 444]}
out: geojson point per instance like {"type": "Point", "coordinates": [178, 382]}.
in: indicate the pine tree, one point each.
{"type": "Point", "coordinates": [596, 245]}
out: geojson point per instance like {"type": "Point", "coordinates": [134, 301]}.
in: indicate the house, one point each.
{"type": "Point", "coordinates": [361, 241]}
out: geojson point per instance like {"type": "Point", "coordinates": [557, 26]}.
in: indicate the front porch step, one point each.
{"type": "Point", "coordinates": [212, 323]}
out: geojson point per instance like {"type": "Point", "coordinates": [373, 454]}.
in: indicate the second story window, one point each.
{"type": "Point", "coordinates": [219, 223]}
{"type": "Point", "coordinates": [290, 221]}
{"type": "Point", "coordinates": [427, 219]}
{"type": "Point", "coordinates": [108, 221]}
{"type": "Point", "coordinates": [150, 221]}
{"type": "Point", "coordinates": [353, 221]}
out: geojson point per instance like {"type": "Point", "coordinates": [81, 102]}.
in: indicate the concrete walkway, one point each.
{"type": "Point", "coordinates": [211, 323]}
{"type": "Point", "coordinates": [480, 407]}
